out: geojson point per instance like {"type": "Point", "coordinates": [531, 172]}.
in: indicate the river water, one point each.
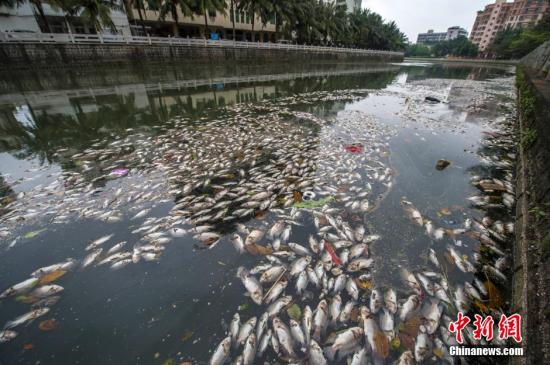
{"type": "Point", "coordinates": [175, 161]}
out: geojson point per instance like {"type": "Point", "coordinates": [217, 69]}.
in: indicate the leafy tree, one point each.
{"type": "Point", "coordinates": [171, 7]}
{"type": "Point", "coordinates": [140, 6]}
{"type": "Point", "coordinates": [69, 8]}
{"type": "Point", "coordinates": [262, 8]}
{"type": "Point", "coordinates": [418, 50]}
{"type": "Point", "coordinates": [517, 43]}
{"type": "Point", "coordinates": [458, 47]}
{"type": "Point", "coordinates": [203, 7]}
{"type": "Point", "coordinates": [97, 13]}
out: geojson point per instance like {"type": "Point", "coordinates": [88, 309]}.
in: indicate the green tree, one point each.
{"type": "Point", "coordinates": [515, 43]}
{"type": "Point", "coordinates": [69, 8]}
{"type": "Point", "coordinates": [37, 4]}
{"type": "Point", "coordinates": [285, 12]}
{"type": "Point", "coordinates": [418, 50]}
{"type": "Point", "coordinates": [204, 7]}
{"type": "Point", "coordinates": [458, 47]}
{"type": "Point", "coordinates": [262, 8]}
{"type": "Point", "coordinates": [140, 6]}
{"type": "Point", "coordinates": [171, 7]}
{"type": "Point", "coordinates": [97, 13]}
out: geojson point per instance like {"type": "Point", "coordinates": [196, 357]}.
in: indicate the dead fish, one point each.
{"type": "Point", "coordinates": [360, 264]}
{"type": "Point", "coordinates": [422, 347]}
{"type": "Point", "coordinates": [251, 284]}
{"type": "Point", "coordinates": [234, 328]}
{"type": "Point", "coordinates": [91, 257]}
{"type": "Point", "coordinates": [99, 242]}
{"type": "Point", "coordinates": [246, 329]}
{"type": "Point", "coordinates": [316, 356]}
{"type": "Point", "coordinates": [46, 290]}
{"type": "Point", "coordinates": [390, 300]}
{"type": "Point", "coordinates": [19, 288]}
{"type": "Point", "coordinates": [249, 351]}
{"type": "Point", "coordinates": [30, 316]}
{"type": "Point", "coordinates": [410, 281]}
{"type": "Point", "coordinates": [410, 307]}
{"type": "Point", "coordinates": [346, 340]}
{"type": "Point", "coordinates": [283, 335]}
{"type": "Point", "coordinates": [65, 266]}
{"type": "Point", "coordinates": [221, 353]}
{"type": "Point", "coordinates": [320, 320]}
{"type": "Point", "coordinates": [375, 301]}
{"type": "Point", "coordinates": [297, 333]}
{"type": "Point", "coordinates": [238, 243]}
{"type": "Point", "coordinates": [276, 290]}
{"type": "Point", "coordinates": [7, 335]}
{"type": "Point", "coordinates": [272, 274]}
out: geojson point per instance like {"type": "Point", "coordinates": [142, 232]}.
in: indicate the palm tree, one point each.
{"type": "Point", "coordinates": [285, 12]}
{"type": "Point", "coordinates": [98, 13]}
{"type": "Point", "coordinates": [232, 9]}
{"type": "Point", "coordinates": [204, 7]}
{"type": "Point", "coordinates": [38, 6]}
{"type": "Point", "coordinates": [139, 5]}
{"type": "Point", "coordinates": [68, 7]}
{"type": "Point", "coordinates": [171, 7]}
{"type": "Point", "coordinates": [262, 8]}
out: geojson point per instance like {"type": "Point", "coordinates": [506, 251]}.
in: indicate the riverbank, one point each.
{"type": "Point", "coordinates": [473, 61]}
{"type": "Point", "coordinates": [69, 50]}
{"type": "Point", "coordinates": [532, 251]}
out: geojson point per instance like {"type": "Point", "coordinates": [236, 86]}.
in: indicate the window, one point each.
{"type": "Point", "coordinates": [212, 13]}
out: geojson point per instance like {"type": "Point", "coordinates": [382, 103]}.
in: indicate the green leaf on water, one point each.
{"type": "Point", "coordinates": [243, 307]}
{"type": "Point", "coordinates": [187, 335]}
{"type": "Point", "coordinates": [294, 312]}
{"type": "Point", "coordinates": [168, 361]}
{"type": "Point", "coordinates": [310, 204]}
{"type": "Point", "coordinates": [33, 234]}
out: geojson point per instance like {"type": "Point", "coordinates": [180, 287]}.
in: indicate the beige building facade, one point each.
{"type": "Point", "coordinates": [502, 14]}
{"type": "Point", "coordinates": [219, 24]}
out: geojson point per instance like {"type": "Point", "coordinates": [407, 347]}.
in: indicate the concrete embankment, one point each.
{"type": "Point", "coordinates": [59, 54]}
{"type": "Point", "coordinates": [532, 250]}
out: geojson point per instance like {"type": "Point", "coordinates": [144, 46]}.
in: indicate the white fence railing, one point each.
{"type": "Point", "coordinates": [189, 42]}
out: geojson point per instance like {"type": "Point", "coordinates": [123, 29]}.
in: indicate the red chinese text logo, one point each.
{"type": "Point", "coordinates": [508, 327]}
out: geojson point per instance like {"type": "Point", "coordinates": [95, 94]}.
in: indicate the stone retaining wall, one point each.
{"type": "Point", "coordinates": [532, 251]}
{"type": "Point", "coordinates": [47, 55]}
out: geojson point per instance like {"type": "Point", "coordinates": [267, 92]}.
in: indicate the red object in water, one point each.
{"type": "Point", "coordinates": [332, 254]}
{"type": "Point", "coordinates": [353, 148]}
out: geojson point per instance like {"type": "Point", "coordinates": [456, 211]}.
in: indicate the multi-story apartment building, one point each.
{"type": "Point", "coordinates": [219, 24]}
{"type": "Point", "coordinates": [351, 5]}
{"type": "Point", "coordinates": [24, 18]}
{"type": "Point", "coordinates": [501, 14]}
{"type": "Point", "coordinates": [436, 37]}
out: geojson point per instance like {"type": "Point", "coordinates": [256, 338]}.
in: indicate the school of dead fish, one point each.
{"type": "Point", "coordinates": [265, 159]}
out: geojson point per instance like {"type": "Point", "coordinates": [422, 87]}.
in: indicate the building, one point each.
{"type": "Point", "coordinates": [351, 5]}
{"type": "Point", "coordinates": [455, 32]}
{"type": "Point", "coordinates": [436, 37]}
{"type": "Point", "coordinates": [24, 18]}
{"type": "Point", "coordinates": [502, 14]}
{"type": "Point", "coordinates": [219, 24]}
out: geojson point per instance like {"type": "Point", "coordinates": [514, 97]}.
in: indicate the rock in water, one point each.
{"type": "Point", "coordinates": [441, 165]}
{"type": "Point", "coordinates": [431, 99]}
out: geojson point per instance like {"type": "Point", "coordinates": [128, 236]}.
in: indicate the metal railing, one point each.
{"type": "Point", "coordinates": [63, 38]}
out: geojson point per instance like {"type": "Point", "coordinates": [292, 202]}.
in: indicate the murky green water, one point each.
{"type": "Point", "coordinates": [135, 153]}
